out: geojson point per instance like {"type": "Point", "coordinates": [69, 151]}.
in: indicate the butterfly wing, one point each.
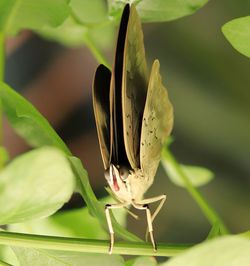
{"type": "Point", "coordinates": [118, 153]}
{"type": "Point", "coordinates": [157, 123]}
{"type": "Point", "coordinates": [134, 87]}
{"type": "Point", "coordinates": [100, 92]}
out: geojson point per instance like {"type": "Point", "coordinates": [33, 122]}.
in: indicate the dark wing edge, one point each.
{"type": "Point", "coordinates": [118, 152]}
{"type": "Point", "coordinates": [101, 106]}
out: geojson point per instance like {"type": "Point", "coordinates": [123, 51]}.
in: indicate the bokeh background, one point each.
{"type": "Point", "coordinates": [209, 86]}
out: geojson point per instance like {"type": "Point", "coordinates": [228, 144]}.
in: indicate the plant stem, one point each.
{"type": "Point", "coordinates": [96, 52]}
{"type": "Point", "coordinates": [207, 210]}
{"type": "Point", "coordinates": [88, 245]}
{"type": "Point", "coordinates": [2, 59]}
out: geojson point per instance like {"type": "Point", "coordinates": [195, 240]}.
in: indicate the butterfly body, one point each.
{"type": "Point", "coordinates": [127, 185]}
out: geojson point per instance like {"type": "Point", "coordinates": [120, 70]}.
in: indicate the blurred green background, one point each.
{"type": "Point", "coordinates": [209, 85]}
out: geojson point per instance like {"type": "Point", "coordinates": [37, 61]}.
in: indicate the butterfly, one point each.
{"type": "Point", "coordinates": [133, 117]}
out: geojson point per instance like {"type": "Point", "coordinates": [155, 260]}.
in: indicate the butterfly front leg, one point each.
{"type": "Point", "coordinates": [143, 205]}
{"type": "Point", "coordinates": [108, 207]}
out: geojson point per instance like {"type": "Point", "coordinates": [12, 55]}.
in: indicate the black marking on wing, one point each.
{"type": "Point", "coordinates": [101, 105]}
{"type": "Point", "coordinates": [118, 156]}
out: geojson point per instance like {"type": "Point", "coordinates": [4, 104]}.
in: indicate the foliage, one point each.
{"type": "Point", "coordinates": [36, 184]}
{"type": "Point", "coordinates": [237, 31]}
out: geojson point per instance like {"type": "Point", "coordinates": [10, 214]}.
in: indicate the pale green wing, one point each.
{"type": "Point", "coordinates": [157, 123]}
{"type": "Point", "coordinates": [100, 95]}
{"type": "Point", "coordinates": [134, 87]}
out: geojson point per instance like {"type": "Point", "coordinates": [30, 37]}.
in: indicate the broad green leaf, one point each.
{"type": "Point", "coordinates": [158, 10]}
{"type": "Point", "coordinates": [27, 121]}
{"type": "Point", "coordinates": [8, 255]}
{"type": "Point", "coordinates": [88, 24]}
{"type": "Point", "coordinates": [197, 175]}
{"type": "Point", "coordinates": [72, 33]}
{"type": "Point", "coordinates": [246, 234]}
{"type": "Point", "coordinates": [39, 257]}
{"type": "Point", "coordinates": [69, 33]}
{"type": "Point", "coordinates": [72, 223]}
{"type": "Point", "coordinates": [95, 207]}
{"type": "Point", "coordinates": [80, 223]}
{"type": "Point", "coordinates": [93, 11]}
{"type": "Point", "coordinates": [223, 251]}
{"type": "Point", "coordinates": [29, 14]}
{"type": "Point", "coordinates": [34, 185]}
{"type": "Point", "coordinates": [142, 261]}
{"type": "Point", "coordinates": [237, 32]}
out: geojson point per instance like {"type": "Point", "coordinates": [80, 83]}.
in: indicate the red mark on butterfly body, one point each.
{"type": "Point", "coordinates": [116, 187]}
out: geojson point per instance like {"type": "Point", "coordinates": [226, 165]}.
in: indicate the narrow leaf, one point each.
{"type": "Point", "coordinates": [237, 32]}
{"type": "Point", "coordinates": [34, 185]}
{"type": "Point", "coordinates": [27, 121]}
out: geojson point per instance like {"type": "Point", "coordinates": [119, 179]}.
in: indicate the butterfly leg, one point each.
{"type": "Point", "coordinates": [145, 202]}
{"type": "Point", "coordinates": [161, 198]}
{"type": "Point", "coordinates": [149, 220]}
{"type": "Point", "coordinates": [108, 207]}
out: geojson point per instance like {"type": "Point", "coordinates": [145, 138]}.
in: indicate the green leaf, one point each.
{"type": "Point", "coordinates": [88, 22]}
{"type": "Point", "coordinates": [197, 175]}
{"type": "Point", "coordinates": [7, 255]}
{"type": "Point", "coordinates": [142, 261]}
{"type": "Point", "coordinates": [72, 33]}
{"type": "Point", "coordinates": [73, 223]}
{"type": "Point", "coordinates": [93, 11]}
{"type": "Point", "coordinates": [223, 251]}
{"type": "Point", "coordinates": [29, 14]}
{"type": "Point", "coordinates": [34, 185]}
{"type": "Point", "coordinates": [27, 121]}
{"type": "Point", "coordinates": [237, 32]}
{"type": "Point", "coordinates": [158, 10]}
{"type": "Point", "coordinates": [246, 234]}
{"type": "Point", "coordinates": [39, 257]}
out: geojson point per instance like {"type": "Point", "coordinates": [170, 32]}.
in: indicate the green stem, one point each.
{"type": "Point", "coordinates": [96, 52]}
{"type": "Point", "coordinates": [207, 210]}
{"type": "Point", "coordinates": [2, 61]}
{"type": "Point", "coordinates": [2, 57]}
{"type": "Point", "coordinates": [88, 245]}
